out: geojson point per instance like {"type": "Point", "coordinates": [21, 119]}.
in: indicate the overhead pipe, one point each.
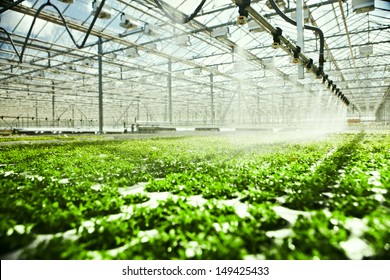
{"type": "Point", "coordinates": [11, 41]}
{"type": "Point", "coordinates": [321, 59]}
{"type": "Point", "coordinates": [277, 34]}
{"type": "Point", "coordinates": [48, 3]}
{"type": "Point", "coordinates": [10, 5]}
{"type": "Point", "coordinates": [186, 19]}
{"type": "Point", "coordinates": [293, 50]}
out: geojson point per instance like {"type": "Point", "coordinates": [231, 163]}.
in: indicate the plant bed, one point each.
{"type": "Point", "coordinates": [204, 198]}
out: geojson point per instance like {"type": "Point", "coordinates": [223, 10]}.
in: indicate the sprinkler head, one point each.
{"type": "Point", "coordinates": [309, 64]}
{"type": "Point", "coordinates": [324, 78]}
{"type": "Point", "coordinates": [243, 13]}
{"type": "Point", "coordinates": [275, 45]}
{"type": "Point", "coordinates": [296, 55]}
{"type": "Point", "coordinates": [319, 72]}
{"type": "Point", "coordinates": [241, 20]}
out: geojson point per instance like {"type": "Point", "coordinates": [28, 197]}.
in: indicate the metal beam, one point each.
{"type": "Point", "coordinates": [170, 91]}
{"type": "Point", "coordinates": [300, 35]}
{"type": "Point", "coordinates": [212, 97]}
{"type": "Point", "coordinates": [100, 77]}
{"type": "Point", "coordinates": [8, 5]}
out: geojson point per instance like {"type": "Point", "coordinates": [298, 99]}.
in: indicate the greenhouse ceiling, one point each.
{"type": "Point", "coordinates": [157, 67]}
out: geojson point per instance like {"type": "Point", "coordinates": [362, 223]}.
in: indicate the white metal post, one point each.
{"type": "Point", "coordinates": [300, 36]}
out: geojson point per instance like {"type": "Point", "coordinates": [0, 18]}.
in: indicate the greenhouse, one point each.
{"type": "Point", "coordinates": [195, 130]}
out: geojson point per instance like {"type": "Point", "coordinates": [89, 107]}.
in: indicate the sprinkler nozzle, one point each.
{"type": "Point", "coordinates": [276, 43]}
{"type": "Point", "coordinates": [296, 55]}
{"type": "Point", "coordinates": [309, 64]}
{"type": "Point", "coordinates": [241, 20]}
{"type": "Point", "coordinates": [243, 13]}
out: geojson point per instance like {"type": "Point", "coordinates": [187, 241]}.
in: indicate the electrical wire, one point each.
{"type": "Point", "coordinates": [186, 19]}
{"type": "Point", "coordinates": [12, 42]}
{"type": "Point", "coordinates": [10, 5]}
{"type": "Point", "coordinates": [48, 3]}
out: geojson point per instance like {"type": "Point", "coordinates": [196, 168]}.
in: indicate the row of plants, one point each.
{"type": "Point", "coordinates": [53, 188]}
{"type": "Point", "coordinates": [49, 188]}
{"type": "Point", "coordinates": [257, 178]}
{"type": "Point", "coordinates": [213, 232]}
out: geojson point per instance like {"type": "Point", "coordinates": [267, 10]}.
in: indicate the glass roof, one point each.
{"type": "Point", "coordinates": [235, 77]}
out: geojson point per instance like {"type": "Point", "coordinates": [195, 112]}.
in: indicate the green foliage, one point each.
{"type": "Point", "coordinates": [50, 188]}
{"type": "Point", "coordinates": [56, 248]}
{"type": "Point", "coordinates": [105, 234]}
{"type": "Point", "coordinates": [317, 237]}
{"type": "Point", "coordinates": [136, 198]}
{"type": "Point", "coordinates": [13, 236]}
{"type": "Point", "coordinates": [378, 234]}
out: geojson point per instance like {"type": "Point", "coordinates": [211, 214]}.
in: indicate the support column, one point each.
{"type": "Point", "coordinates": [212, 97]}
{"type": "Point", "coordinates": [300, 36]}
{"type": "Point", "coordinates": [100, 62]}
{"type": "Point", "coordinates": [170, 91]}
{"type": "Point", "coordinates": [239, 115]}
{"type": "Point", "coordinates": [73, 120]}
{"type": "Point", "coordinates": [137, 118]}
{"type": "Point", "coordinates": [36, 113]}
{"type": "Point", "coordinates": [258, 108]}
{"type": "Point", "coordinates": [52, 103]}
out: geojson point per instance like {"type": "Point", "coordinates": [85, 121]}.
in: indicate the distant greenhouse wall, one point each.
{"type": "Point", "coordinates": [383, 112]}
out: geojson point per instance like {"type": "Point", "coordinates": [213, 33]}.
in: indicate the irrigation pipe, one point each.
{"type": "Point", "coordinates": [48, 3]}
{"type": "Point", "coordinates": [175, 19]}
{"type": "Point", "coordinates": [309, 27]}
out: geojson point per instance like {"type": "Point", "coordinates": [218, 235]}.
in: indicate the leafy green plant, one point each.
{"type": "Point", "coordinates": [105, 234]}
{"type": "Point", "coordinates": [13, 236]}
{"type": "Point", "coordinates": [53, 187]}
{"type": "Point", "coordinates": [315, 237]}
{"type": "Point", "coordinates": [56, 248]}
{"type": "Point", "coordinates": [377, 234]}
{"type": "Point", "coordinates": [136, 198]}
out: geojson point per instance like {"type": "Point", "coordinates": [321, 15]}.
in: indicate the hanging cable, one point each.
{"type": "Point", "coordinates": [186, 19]}
{"type": "Point", "coordinates": [12, 42]}
{"type": "Point", "coordinates": [9, 5]}
{"type": "Point", "coordinates": [20, 56]}
{"type": "Point", "coordinates": [309, 27]}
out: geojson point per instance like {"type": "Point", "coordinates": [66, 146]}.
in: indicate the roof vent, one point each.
{"type": "Point", "coordinates": [255, 27]}
{"type": "Point", "coordinates": [132, 52]}
{"type": "Point", "coordinates": [220, 33]}
{"type": "Point", "coordinates": [105, 13]}
{"type": "Point", "coordinates": [126, 22]}
{"type": "Point", "coordinates": [366, 50]}
{"type": "Point", "coordinates": [363, 6]}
